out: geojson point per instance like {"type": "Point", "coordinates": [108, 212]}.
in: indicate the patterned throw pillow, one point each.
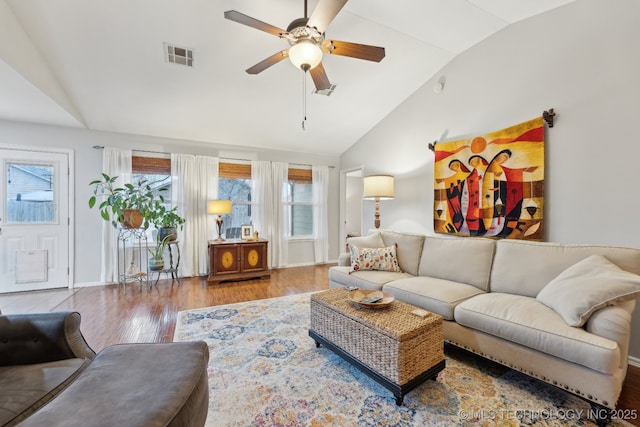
{"type": "Point", "coordinates": [383, 259]}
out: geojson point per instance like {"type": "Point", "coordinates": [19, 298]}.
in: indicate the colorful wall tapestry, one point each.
{"type": "Point", "coordinates": [492, 185]}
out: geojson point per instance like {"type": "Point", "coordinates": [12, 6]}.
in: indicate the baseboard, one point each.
{"type": "Point", "coordinates": [634, 361]}
{"type": "Point", "coordinates": [305, 264]}
{"type": "Point", "coordinates": [89, 284]}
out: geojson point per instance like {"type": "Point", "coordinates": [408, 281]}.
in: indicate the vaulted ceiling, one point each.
{"type": "Point", "coordinates": [100, 65]}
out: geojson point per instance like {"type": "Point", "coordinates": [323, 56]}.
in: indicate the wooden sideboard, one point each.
{"type": "Point", "coordinates": [237, 260]}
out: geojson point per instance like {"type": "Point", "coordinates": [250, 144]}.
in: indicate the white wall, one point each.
{"type": "Point", "coordinates": [583, 61]}
{"type": "Point", "coordinates": [88, 166]}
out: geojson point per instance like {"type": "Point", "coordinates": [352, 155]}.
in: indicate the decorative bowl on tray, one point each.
{"type": "Point", "coordinates": [371, 299]}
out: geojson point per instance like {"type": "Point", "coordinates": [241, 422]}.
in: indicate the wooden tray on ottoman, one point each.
{"type": "Point", "coordinates": [394, 347]}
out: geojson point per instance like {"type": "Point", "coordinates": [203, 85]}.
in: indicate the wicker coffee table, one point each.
{"type": "Point", "coordinates": [397, 349]}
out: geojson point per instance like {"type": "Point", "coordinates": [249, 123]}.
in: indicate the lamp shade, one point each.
{"type": "Point", "coordinates": [219, 207]}
{"type": "Point", "coordinates": [378, 187]}
{"type": "Point", "coordinates": [305, 52]}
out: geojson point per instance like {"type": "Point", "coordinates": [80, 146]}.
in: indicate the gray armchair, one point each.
{"type": "Point", "coordinates": [40, 354]}
{"type": "Point", "coordinates": [41, 337]}
{"type": "Point", "coordinates": [50, 376]}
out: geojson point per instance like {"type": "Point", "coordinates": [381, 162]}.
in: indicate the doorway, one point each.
{"type": "Point", "coordinates": [351, 212]}
{"type": "Point", "coordinates": [35, 231]}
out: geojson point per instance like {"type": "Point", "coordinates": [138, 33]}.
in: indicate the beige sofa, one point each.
{"type": "Point", "coordinates": [490, 295]}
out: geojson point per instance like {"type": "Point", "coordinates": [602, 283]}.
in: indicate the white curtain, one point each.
{"type": "Point", "coordinates": [195, 181]}
{"type": "Point", "coordinates": [268, 210]}
{"type": "Point", "coordinates": [279, 177]}
{"type": "Point", "coordinates": [262, 203]}
{"type": "Point", "coordinates": [115, 162]}
{"type": "Point", "coordinates": [320, 186]}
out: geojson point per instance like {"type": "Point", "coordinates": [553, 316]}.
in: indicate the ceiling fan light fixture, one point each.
{"type": "Point", "coordinates": [305, 54]}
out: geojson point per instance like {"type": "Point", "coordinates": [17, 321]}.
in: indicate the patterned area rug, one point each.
{"type": "Point", "coordinates": [265, 370]}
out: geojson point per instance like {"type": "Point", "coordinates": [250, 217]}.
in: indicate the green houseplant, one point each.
{"type": "Point", "coordinates": [132, 205]}
{"type": "Point", "coordinates": [156, 262]}
{"type": "Point", "coordinates": [167, 222]}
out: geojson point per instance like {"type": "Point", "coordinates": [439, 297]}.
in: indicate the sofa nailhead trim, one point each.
{"type": "Point", "coordinates": [540, 377]}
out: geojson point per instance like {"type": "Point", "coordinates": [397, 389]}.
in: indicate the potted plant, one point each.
{"type": "Point", "coordinates": [132, 205]}
{"type": "Point", "coordinates": [156, 262]}
{"type": "Point", "coordinates": [167, 222]}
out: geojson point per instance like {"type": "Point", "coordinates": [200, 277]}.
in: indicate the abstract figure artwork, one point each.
{"type": "Point", "coordinates": [492, 185]}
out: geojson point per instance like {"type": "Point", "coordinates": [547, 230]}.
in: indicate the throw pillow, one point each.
{"type": "Point", "coordinates": [383, 259]}
{"type": "Point", "coordinates": [373, 240]}
{"type": "Point", "coordinates": [587, 286]}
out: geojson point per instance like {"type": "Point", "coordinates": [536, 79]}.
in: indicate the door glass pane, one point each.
{"type": "Point", "coordinates": [30, 193]}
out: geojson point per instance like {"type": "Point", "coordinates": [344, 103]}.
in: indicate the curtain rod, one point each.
{"type": "Point", "coordinates": [293, 164]}
{"type": "Point", "coordinates": [100, 147]}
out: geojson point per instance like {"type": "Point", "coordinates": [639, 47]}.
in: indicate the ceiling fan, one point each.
{"type": "Point", "coordinates": [307, 40]}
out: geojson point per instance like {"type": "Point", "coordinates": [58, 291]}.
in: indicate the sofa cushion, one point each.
{"type": "Point", "coordinates": [528, 322]}
{"type": "Point", "coordinates": [409, 249]}
{"type": "Point", "coordinates": [26, 388]}
{"type": "Point", "coordinates": [170, 388]}
{"type": "Point", "coordinates": [459, 259]}
{"type": "Point", "coordinates": [373, 280]}
{"type": "Point", "coordinates": [435, 295]}
{"type": "Point", "coordinates": [587, 286]}
{"type": "Point", "coordinates": [382, 259]}
{"type": "Point", "coordinates": [524, 267]}
{"type": "Point", "coordinates": [373, 240]}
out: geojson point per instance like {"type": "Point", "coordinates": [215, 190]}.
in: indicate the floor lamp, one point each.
{"type": "Point", "coordinates": [219, 207]}
{"type": "Point", "coordinates": [378, 187]}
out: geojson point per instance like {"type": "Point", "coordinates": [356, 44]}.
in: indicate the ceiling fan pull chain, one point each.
{"type": "Point", "coordinates": [304, 99]}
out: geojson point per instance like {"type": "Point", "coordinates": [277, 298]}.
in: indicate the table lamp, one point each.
{"type": "Point", "coordinates": [219, 207]}
{"type": "Point", "coordinates": [378, 187]}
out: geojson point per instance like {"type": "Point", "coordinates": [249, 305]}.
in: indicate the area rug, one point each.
{"type": "Point", "coordinates": [265, 370]}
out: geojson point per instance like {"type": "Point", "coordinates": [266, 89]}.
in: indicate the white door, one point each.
{"type": "Point", "coordinates": [34, 220]}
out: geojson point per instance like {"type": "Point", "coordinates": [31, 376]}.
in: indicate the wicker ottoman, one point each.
{"type": "Point", "coordinates": [397, 349]}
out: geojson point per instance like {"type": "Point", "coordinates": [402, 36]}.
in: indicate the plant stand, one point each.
{"type": "Point", "coordinates": [127, 269]}
{"type": "Point", "coordinates": [171, 270]}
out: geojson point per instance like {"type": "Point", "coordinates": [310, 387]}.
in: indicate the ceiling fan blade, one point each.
{"type": "Point", "coordinates": [241, 18]}
{"type": "Point", "coordinates": [272, 60]}
{"type": "Point", "coordinates": [324, 13]}
{"type": "Point", "coordinates": [354, 50]}
{"type": "Point", "coordinates": [320, 79]}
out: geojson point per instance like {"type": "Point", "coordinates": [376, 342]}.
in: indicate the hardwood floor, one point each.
{"type": "Point", "coordinates": [110, 315]}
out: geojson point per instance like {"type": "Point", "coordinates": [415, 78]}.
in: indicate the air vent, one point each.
{"type": "Point", "coordinates": [178, 55]}
{"type": "Point", "coordinates": [325, 92]}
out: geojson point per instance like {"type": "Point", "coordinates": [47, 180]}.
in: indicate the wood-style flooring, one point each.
{"type": "Point", "coordinates": [111, 315]}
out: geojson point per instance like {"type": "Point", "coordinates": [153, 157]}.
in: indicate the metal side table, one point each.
{"type": "Point", "coordinates": [173, 270]}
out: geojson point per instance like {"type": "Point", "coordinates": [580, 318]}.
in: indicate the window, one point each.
{"type": "Point", "coordinates": [234, 183]}
{"type": "Point", "coordinates": [30, 193]}
{"type": "Point", "coordinates": [300, 209]}
{"type": "Point", "coordinates": [299, 202]}
{"type": "Point", "coordinates": [157, 174]}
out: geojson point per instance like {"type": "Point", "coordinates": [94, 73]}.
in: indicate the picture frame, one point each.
{"type": "Point", "coordinates": [246, 232]}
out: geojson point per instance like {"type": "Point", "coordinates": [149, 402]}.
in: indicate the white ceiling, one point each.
{"type": "Point", "coordinates": [100, 64]}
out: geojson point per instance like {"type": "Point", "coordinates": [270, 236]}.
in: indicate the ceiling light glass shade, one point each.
{"type": "Point", "coordinates": [305, 52]}
{"type": "Point", "coordinates": [378, 187]}
{"type": "Point", "coordinates": [219, 207]}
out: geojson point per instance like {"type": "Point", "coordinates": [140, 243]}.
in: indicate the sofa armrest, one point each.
{"type": "Point", "coordinates": [344, 260]}
{"type": "Point", "coordinates": [614, 323]}
{"type": "Point", "coordinates": [41, 337]}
